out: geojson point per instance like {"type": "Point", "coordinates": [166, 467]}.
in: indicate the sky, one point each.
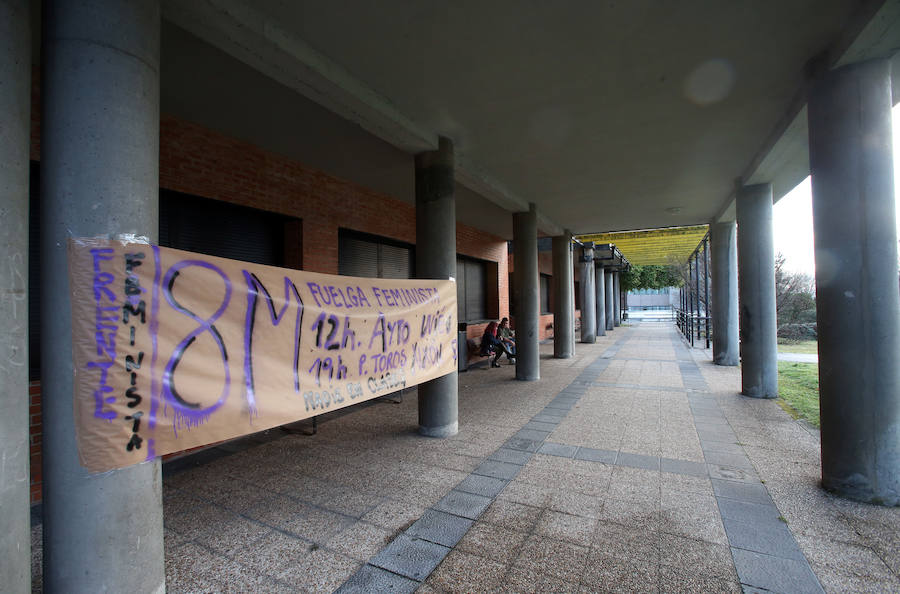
{"type": "Point", "coordinates": [792, 216]}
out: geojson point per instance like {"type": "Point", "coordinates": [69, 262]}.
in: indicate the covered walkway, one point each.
{"type": "Point", "coordinates": [634, 466]}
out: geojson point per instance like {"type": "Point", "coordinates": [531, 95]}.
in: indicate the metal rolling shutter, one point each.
{"type": "Point", "coordinates": [471, 293]}
{"type": "Point", "coordinates": [545, 294]}
{"type": "Point", "coordinates": [475, 294]}
{"type": "Point", "coordinates": [357, 257]}
{"type": "Point", "coordinates": [221, 229]}
{"type": "Point", "coordinates": [369, 257]}
{"type": "Point", "coordinates": [396, 262]}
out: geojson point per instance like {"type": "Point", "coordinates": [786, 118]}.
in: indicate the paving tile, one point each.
{"type": "Point", "coordinates": [512, 515]}
{"type": "Point", "coordinates": [727, 459]}
{"type": "Point", "coordinates": [769, 538]}
{"type": "Point", "coordinates": [320, 570]}
{"type": "Point", "coordinates": [627, 541]}
{"type": "Point", "coordinates": [481, 485]}
{"type": "Point", "coordinates": [728, 473]}
{"type": "Point", "coordinates": [751, 493]}
{"type": "Point", "coordinates": [232, 535]}
{"type": "Point", "coordinates": [576, 504]}
{"type": "Point", "coordinates": [360, 540]}
{"type": "Point", "coordinates": [540, 426]}
{"type": "Point", "coordinates": [532, 434]}
{"type": "Point", "coordinates": [525, 445]}
{"type": "Point", "coordinates": [716, 435]}
{"type": "Point", "coordinates": [607, 573]}
{"type": "Point", "coordinates": [410, 557]}
{"type": "Point", "coordinates": [558, 449]}
{"type": "Point", "coordinates": [595, 455]}
{"type": "Point", "coordinates": [564, 561]}
{"type": "Point", "coordinates": [575, 529]}
{"type": "Point", "coordinates": [440, 527]}
{"type": "Point", "coordinates": [558, 409]}
{"type": "Point", "coordinates": [697, 556]}
{"type": "Point", "coordinates": [525, 493]}
{"type": "Point", "coordinates": [727, 447]}
{"type": "Point", "coordinates": [498, 470]}
{"type": "Point", "coordinates": [466, 572]}
{"type": "Point", "coordinates": [637, 461]}
{"type": "Point", "coordinates": [678, 580]}
{"type": "Point", "coordinates": [748, 512]}
{"type": "Point", "coordinates": [531, 580]}
{"type": "Point", "coordinates": [275, 552]}
{"type": "Point", "coordinates": [682, 467]}
{"type": "Point", "coordinates": [548, 418]}
{"type": "Point", "coordinates": [511, 456]}
{"type": "Point", "coordinates": [701, 525]}
{"type": "Point", "coordinates": [466, 505]}
{"type": "Point", "coordinates": [774, 573]}
{"type": "Point", "coordinates": [394, 514]}
{"type": "Point", "coordinates": [374, 579]}
{"type": "Point", "coordinates": [710, 415]}
{"type": "Point", "coordinates": [493, 542]}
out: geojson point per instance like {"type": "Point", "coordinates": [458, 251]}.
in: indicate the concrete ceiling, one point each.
{"type": "Point", "coordinates": [606, 115]}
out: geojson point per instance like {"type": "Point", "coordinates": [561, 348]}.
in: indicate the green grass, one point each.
{"type": "Point", "coordinates": [798, 388]}
{"type": "Point", "coordinates": [809, 347]}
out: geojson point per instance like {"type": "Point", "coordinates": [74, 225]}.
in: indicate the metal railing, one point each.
{"type": "Point", "coordinates": [694, 325]}
{"type": "Point", "coordinates": [693, 317]}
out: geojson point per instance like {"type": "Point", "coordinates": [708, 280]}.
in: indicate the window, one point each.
{"type": "Point", "coordinates": [226, 230]}
{"type": "Point", "coordinates": [471, 299]}
{"type": "Point", "coordinates": [373, 257]}
{"type": "Point", "coordinates": [545, 294]}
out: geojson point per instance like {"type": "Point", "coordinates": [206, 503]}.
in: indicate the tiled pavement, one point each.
{"type": "Point", "coordinates": [633, 467]}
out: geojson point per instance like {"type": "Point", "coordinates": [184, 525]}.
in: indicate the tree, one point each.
{"type": "Point", "coordinates": [649, 276]}
{"type": "Point", "coordinates": [795, 300]}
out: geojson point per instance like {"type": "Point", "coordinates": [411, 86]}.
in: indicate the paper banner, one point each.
{"type": "Point", "coordinates": [174, 350]}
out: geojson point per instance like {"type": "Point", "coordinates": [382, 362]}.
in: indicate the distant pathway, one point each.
{"type": "Point", "coordinates": [799, 357]}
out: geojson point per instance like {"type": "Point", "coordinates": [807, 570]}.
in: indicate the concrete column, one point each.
{"type": "Point", "coordinates": [527, 296]}
{"type": "Point", "coordinates": [588, 300]}
{"type": "Point", "coordinates": [15, 122]}
{"type": "Point", "coordinates": [563, 297]}
{"type": "Point", "coordinates": [436, 258]}
{"type": "Point", "coordinates": [600, 276]}
{"type": "Point", "coordinates": [723, 253]}
{"type": "Point", "coordinates": [857, 304]}
{"type": "Point", "coordinates": [610, 300]}
{"type": "Point", "coordinates": [756, 272]}
{"type": "Point", "coordinates": [99, 176]}
{"type": "Point", "coordinates": [617, 303]}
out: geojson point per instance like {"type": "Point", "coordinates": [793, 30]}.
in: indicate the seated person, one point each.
{"type": "Point", "coordinates": [506, 334]}
{"type": "Point", "coordinates": [490, 343]}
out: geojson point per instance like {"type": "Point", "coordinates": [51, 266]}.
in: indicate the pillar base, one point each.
{"type": "Point", "coordinates": [448, 430]}
{"type": "Point", "coordinates": [759, 394]}
{"type": "Point", "coordinates": [858, 490]}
